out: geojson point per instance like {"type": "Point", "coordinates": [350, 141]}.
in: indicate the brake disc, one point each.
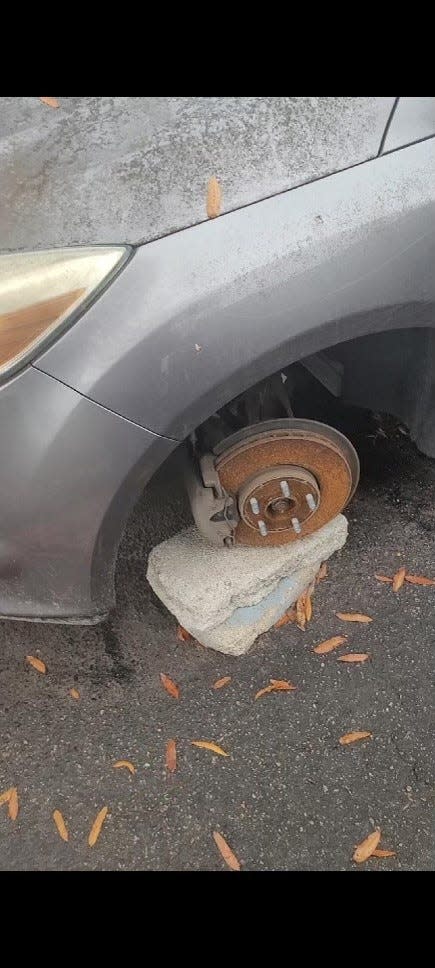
{"type": "Point", "coordinates": [287, 478]}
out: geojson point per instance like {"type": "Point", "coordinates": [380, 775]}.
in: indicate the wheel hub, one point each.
{"type": "Point", "coordinates": [287, 478]}
{"type": "Point", "coordinates": [280, 497]}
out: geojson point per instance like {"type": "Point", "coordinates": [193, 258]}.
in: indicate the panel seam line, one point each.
{"type": "Point", "coordinates": [102, 406]}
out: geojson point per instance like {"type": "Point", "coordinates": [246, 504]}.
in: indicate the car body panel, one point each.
{"type": "Point", "coordinates": [102, 169]}
{"type": "Point", "coordinates": [413, 120]}
{"type": "Point", "coordinates": [196, 318]}
{"type": "Point", "coordinates": [70, 473]}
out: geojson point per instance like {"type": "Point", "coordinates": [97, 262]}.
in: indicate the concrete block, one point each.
{"type": "Point", "coordinates": [227, 597]}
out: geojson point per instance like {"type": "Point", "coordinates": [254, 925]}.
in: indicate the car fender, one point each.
{"type": "Point", "coordinates": [197, 317]}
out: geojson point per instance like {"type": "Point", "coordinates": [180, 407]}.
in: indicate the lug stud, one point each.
{"type": "Point", "coordinates": [285, 490]}
{"type": "Point", "coordinates": [311, 502]}
{"type": "Point", "coordinates": [262, 529]}
{"type": "Point", "coordinates": [296, 525]}
{"type": "Point", "coordinates": [254, 505]}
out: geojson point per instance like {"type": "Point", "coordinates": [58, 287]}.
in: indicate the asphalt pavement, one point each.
{"type": "Point", "coordinates": [289, 797]}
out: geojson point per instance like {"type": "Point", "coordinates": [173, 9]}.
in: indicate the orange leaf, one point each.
{"type": "Point", "coordinates": [97, 825]}
{"type": "Point", "coordinates": [301, 617]}
{"type": "Point", "coordinates": [354, 737]}
{"type": "Point", "coordinates": [262, 692]}
{"type": "Point", "coordinates": [205, 745]}
{"type": "Point", "coordinates": [353, 617]}
{"type": "Point", "coordinates": [126, 765]}
{"type": "Point", "coordinates": [275, 685]}
{"type": "Point", "coordinates": [366, 847]}
{"type": "Point", "coordinates": [419, 580]}
{"type": "Point", "coordinates": [379, 852]}
{"type": "Point", "coordinates": [384, 578]}
{"type": "Point", "coordinates": [308, 607]}
{"type": "Point", "coordinates": [170, 686]}
{"type": "Point", "coordinates": [6, 796]}
{"type": "Point", "coordinates": [171, 756]}
{"type": "Point", "coordinates": [220, 683]}
{"type": "Point", "coordinates": [226, 852]}
{"type": "Point", "coordinates": [289, 616]}
{"type": "Point", "coordinates": [74, 693]}
{"type": "Point", "coordinates": [183, 635]}
{"type": "Point", "coordinates": [322, 572]}
{"type": "Point", "coordinates": [37, 664]}
{"type": "Point", "coordinates": [330, 644]}
{"type": "Point", "coordinates": [52, 102]}
{"type": "Point", "coordinates": [282, 685]}
{"type": "Point", "coordinates": [13, 806]}
{"type": "Point", "coordinates": [214, 197]}
{"type": "Point", "coordinates": [354, 657]}
{"type": "Point", "coordinates": [60, 825]}
{"type": "Point", "coordinates": [398, 579]}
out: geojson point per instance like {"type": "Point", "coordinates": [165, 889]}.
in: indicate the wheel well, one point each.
{"type": "Point", "coordinates": [392, 371]}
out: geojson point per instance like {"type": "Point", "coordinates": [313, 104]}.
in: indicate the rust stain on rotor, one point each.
{"type": "Point", "coordinates": [322, 458]}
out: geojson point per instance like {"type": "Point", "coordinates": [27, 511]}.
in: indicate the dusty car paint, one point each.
{"type": "Point", "coordinates": [412, 120]}
{"type": "Point", "coordinates": [71, 475]}
{"type": "Point", "coordinates": [345, 256]}
{"type": "Point", "coordinates": [131, 169]}
{"type": "Point", "coordinates": [199, 315]}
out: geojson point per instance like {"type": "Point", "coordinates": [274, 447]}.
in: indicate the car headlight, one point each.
{"type": "Point", "coordinates": [40, 292]}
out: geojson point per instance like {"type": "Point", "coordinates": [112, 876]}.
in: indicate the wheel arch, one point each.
{"type": "Point", "coordinates": [411, 324]}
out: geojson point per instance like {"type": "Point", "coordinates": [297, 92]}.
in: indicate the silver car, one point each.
{"type": "Point", "coordinates": [132, 322]}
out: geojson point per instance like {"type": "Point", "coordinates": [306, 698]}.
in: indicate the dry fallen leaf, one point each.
{"type": "Point", "coordinates": [60, 825]}
{"type": "Point", "coordinates": [289, 616]}
{"type": "Point", "coordinates": [353, 617]}
{"type": "Point", "coordinates": [214, 197]}
{"type": "Point", "coordinates": [354, 737]}
{"type": "Point", "coordinates": [322, 572]}
{"type": "Point", "coordinates": [74, 693]}
{"type": "Point", "coordinates": [384, 578]}
{"type": "Point", "coordinates": [282, 685]}
{"type": "Point", "coordinates": [379, 852]}
{"type": "Point", "coordinates": [354, 657]}
{"type": "Point", "coordinates": [398, 579]}
{"type": "Point", "coordinates": [6, 796]}
{"type": "Point", "coordinates": [170, 686]}
{"type": "Point", "coordinates": [37, 664]}
{"type": "Point", "coordinates": [264, 691]}
{"type": "Point", "coordinates": [330, 644]}
{"type": "Point", "coordinates": [275, 685]}
{"type": "Point", "coordinates": [308, 607]}
{"type": "Point", "coordinates": [13, 806]}
{"type": "Point", "coordinates": [171, 756]}
{"type": "Point", "coordinates": [183, 635]}
{"type": "Point", "coordinates": [366, 847]}
{"type": "Point", "coordinates": [52, 102]}
{"type": "Point", "coordinates": [97, 825]}
{"type": "Point", "coordinates": [126, 765]}
{"type": "Point", "coordinates": [213, 747]}
{"type": "Point", "coordinates": [220, 683]}
{"type": "Point", "coordinates": [226, 852]}
{"type": "Point", "coordinates": [419, 580]}
{"type": "Point", "coordinates": [301, 617]}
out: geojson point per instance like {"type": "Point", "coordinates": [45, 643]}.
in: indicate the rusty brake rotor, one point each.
{"type": "Point", "coordinates": [288, 478]}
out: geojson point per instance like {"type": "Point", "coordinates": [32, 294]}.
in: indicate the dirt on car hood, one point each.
{"type": "Point", "coordinates": [121, 169]}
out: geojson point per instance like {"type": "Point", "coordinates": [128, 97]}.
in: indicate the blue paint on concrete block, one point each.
{"type": "Point", "coordinates": [277, 600]}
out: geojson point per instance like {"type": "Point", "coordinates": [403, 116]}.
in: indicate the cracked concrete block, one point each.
{"type": "Point", "coordinates": [227, 597]}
